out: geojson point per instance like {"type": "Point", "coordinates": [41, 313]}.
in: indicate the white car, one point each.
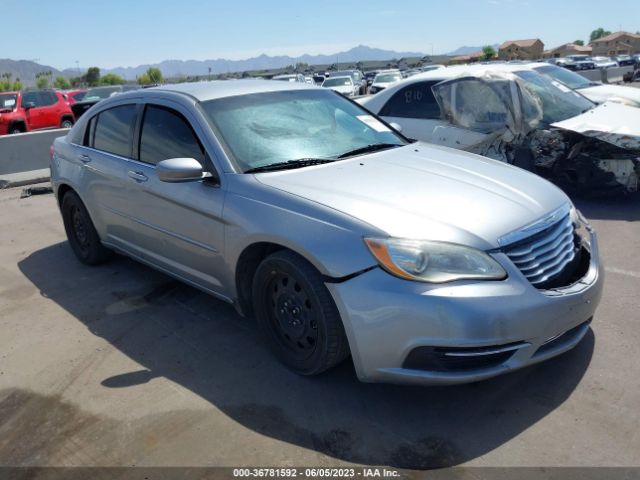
{"type": "Point", "coordinates": [512, 113]}
{"type": "Point", "coordinates": [383, 79]}
{"type": "Point", "coordinates": [604, 62]}
{"type": "Point", "coordinates": [594, 91]}
{"type": "Point", "coordinates": [343, 85]}
{"type": "Point", "coordinates": [296, 77]}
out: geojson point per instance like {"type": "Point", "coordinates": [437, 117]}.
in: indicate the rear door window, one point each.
{"type": "Point", "coordinates": [114, 130]}
{"type": "Point", "coordinates": [167, 134]}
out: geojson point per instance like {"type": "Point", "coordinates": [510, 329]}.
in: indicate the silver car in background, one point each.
{"type": "Point", "coordinates": [426, 264]}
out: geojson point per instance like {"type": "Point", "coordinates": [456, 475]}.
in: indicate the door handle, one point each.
{"type": "Point", "coordinates": [137, 176]}
{"type": "Point", "coordinates": [84, 158]}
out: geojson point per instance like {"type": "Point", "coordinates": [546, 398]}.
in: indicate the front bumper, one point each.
{"type": "Point", "coordinates": [387, 318]}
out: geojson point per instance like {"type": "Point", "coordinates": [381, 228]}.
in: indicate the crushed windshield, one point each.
{"type": "Point", "coordinates": [273, 127]}
{"type": "Point", "coordinates": [7, 101]}
{"type": "Point", "coordinates": [556, 101]}
{"type": "Point", "coordinates": [569, 78]}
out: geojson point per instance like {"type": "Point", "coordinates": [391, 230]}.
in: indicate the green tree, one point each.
{"type": "Point", "coordinates": [598, 33]}
{"type": "Point", "coordinates": [42, 81]}
{"type": "Point", "coordinates": [488, 52]}
{"type": "Point", "coordinates": [5, 83]}
{"type": "Point", "coordinates": [61, 82]}
{"type": "Point", "coordinates": [144, 79]}
{"type": "Point", "coordinates": [112, 79]}
{"type": "Point", "coordinates": [17, 85]}
{"type": "Point", "coordinates": [92, 77]}
{"type": "Point", "coordinates": [155, 75]}
{"type": "Point", "coordinates": [579, 42]}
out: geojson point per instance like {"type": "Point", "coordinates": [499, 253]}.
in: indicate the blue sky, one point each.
{"type": "Point", "coordinates": [113, 33]}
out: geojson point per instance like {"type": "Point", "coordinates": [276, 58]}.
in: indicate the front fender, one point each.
{"type": "Point", "coordinates": [328, 239]}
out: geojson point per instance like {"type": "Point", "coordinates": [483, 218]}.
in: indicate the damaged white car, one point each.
{"type": "Point", "coordinates": [514, 114]}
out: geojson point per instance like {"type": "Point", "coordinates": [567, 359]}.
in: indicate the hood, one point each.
{"type": "Point", "coordinates": [422, 191]}
{"type": "Point", "coordinates": [343, 88]}
{"type": "Point", "coordinates": [603, 93]}
{"type": "Point", "coordinates": [611, 122]}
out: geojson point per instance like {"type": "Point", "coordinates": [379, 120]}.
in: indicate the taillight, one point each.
{"type": "Point", "coordinates": [51, 152]}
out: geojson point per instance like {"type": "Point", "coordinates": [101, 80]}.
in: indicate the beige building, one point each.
{"type": "Point", "coordinates": [568, 49]}
{"type": "Point", "coordinates": [521, 49]}
{"type": "Point", "coordinates": [618, 43]}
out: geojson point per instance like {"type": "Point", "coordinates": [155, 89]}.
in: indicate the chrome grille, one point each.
{"type": "Point", "coordinates": [544, 255]}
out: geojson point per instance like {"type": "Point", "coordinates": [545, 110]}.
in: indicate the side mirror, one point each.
{"type": "Point", "coordinates": [176, 170]}
{"type": "Point", "coordinates": [29, 105]}
{"type": "Point", "coordinates": [396, 126]}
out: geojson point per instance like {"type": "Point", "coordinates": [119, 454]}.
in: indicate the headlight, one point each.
{"type": "Point", "coordinates": [433, 262]}
{"type": "Point", "coordinates": [582, 227]}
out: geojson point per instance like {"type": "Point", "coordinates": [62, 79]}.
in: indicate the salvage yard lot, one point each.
{"type": "Point", "coordinates": [120, 365]}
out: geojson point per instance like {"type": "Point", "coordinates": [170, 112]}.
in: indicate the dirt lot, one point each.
{"type": "Point", "coordinates": [120, 365]}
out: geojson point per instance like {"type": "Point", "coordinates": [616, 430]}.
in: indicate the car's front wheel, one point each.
{"type": "Point", "coordinates": [82, 235]}
{"type": "Point", "coordinates": [297, 314]}
{"type": "Point", "coordinates": [66, 123]}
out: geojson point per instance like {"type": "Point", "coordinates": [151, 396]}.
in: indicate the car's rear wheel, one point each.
{"type": "Point", "coordinates": [297, 315]}
{"type": "Point", "coordinates": [66, 123]}
{"type": "Point", "coordinates": [82, 235]}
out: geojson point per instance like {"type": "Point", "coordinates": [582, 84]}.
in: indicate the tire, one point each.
{"type": "Point", "coordinates": [81, 233]}
{"type": "Point", "coordinates": [66, 123]}
{"type": "Point", "coordinates": [296, 314]}
{"type": "Point", "coordinates": [15, 129]}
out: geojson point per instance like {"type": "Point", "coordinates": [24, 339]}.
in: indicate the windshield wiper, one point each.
{"type": "Point", "coordinates": [290, 164]}
{"type": "Point", "coordinates": [369, 148]}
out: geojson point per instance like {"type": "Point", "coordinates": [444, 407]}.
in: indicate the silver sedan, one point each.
{"type": "Point", "coordinates": [338, 235]}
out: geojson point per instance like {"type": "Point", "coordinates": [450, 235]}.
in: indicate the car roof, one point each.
{"type": "Point", "coordinates": [473, 70]}
{"type": "Point", "coordinates": [203, 91]}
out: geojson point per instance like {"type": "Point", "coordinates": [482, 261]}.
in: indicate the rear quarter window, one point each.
{"type": "Point", "coordinates": [114, 130]}
{"type": "Point", "coordinates": [413, 101]}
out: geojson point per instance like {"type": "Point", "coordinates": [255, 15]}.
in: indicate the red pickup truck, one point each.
{"type": "Point", "coordinates": [34, 110]}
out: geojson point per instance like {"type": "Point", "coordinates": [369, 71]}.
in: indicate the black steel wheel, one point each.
{"type": "Point", "coordinates": [297, 315]}
{"type": "Point", "coordinates": [81, 233]}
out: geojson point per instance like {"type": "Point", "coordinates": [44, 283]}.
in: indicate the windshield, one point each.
{"type": "Point", "coordinates": [78, 96]}
{"type": "Point", "coordinates": [100, 93]}
{"type": "Point", "coordinates": [569, 78]}
{"type": "Point", "coordinates": [387, 78]}
{"type": "Point", "coordinates": [336, 82]}
{"type": "Point", "coordinates": [267, 128]}
{"type": "Point", "coordinates": [7, 101]}
{"type": "Point", "coordinates": [557, 102]}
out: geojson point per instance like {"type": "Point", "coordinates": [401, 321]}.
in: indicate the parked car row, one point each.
{"type": "Point", "coordinates": [34, 110]}
{"type": "Point", "coordinates": [586, 62]}
{"type": "Point", "coordinates": [45, 109]}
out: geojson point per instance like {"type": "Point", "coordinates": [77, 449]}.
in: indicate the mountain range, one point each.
{"type": "Point", "coordinates": [26, 70]}
{"type": "Point", "coordinates": [175, 68]}
{"type": "Point", "coordinates": [469, 50]}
